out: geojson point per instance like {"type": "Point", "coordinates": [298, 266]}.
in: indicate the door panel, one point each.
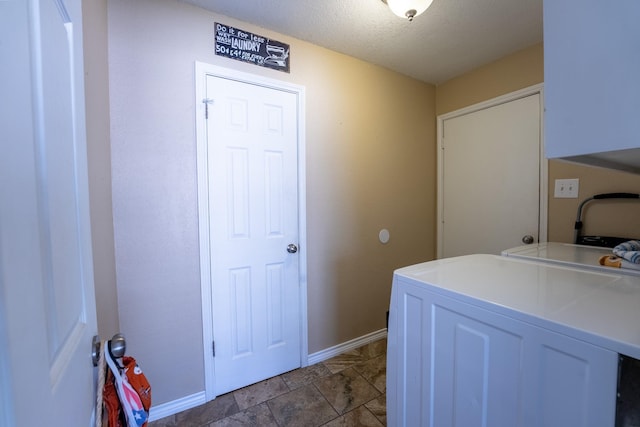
{"type": "Point", "coordinates": [491, 179]}
{"type": "Point", "coordinates": [56, 192]}
{"type": "Point", "coordinates": [253, 216]}
{"type": "Point", "coordinates": [45, 254]}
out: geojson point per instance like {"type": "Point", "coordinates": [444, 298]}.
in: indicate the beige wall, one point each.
{"type": "Point", "coordinates": [370, 165]}
{"type": "Point", "coordinates": [513, 72]}
{"type": "Point", "coordinates": [605, 218]}
{"type": "Point", "coordinates": [370, 146]}
{"type": "Point", "coordinates": [96, 70]}
{"type": "Point", "coordinates": [523, 69]}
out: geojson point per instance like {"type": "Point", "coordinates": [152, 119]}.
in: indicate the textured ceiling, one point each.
{"type": "Point", "coordinates": [450, 38]}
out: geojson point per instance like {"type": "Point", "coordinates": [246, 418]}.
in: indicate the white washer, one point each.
{"type": "Point", "coordinates": [571, 255]}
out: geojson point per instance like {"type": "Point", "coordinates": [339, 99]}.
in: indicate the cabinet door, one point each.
{"type": "Point", "coordinates": [591, 69]}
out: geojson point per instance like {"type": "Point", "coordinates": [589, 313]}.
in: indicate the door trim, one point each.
{"type": "Point", "coordinates": [202, 70]}
{"type": "Point", "coordinates": [544, 163]}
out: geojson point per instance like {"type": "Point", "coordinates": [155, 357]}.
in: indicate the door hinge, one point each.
{"type": "Point", "coordinates": [213, 348]}
{"type": "Point", "coordinates": [206, 102]}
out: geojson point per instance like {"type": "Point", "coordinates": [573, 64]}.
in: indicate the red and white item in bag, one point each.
{"type": "Point", "coordinates": [135, 411]}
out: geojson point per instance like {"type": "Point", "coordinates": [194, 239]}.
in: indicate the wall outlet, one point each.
{"type": "Point", "coordinates": [566, 189]}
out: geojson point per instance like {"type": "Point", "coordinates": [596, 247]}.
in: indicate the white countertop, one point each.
{"type": "Point", "coordinates": [600, 307]}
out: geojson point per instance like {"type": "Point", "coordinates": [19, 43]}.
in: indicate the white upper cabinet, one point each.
{"type": "Point", "coordinates": [592, 82]}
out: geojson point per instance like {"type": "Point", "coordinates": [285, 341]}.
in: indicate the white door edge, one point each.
{"type": "Point", "coordinates": [6, 407]}
{"type": "Point", "coordinates": [543, 171]}
{"type": "Point", "coordinates": [202, 70]}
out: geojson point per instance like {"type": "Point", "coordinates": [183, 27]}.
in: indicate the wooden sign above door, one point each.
{"type": "Point", "coordinates": [244, 46]}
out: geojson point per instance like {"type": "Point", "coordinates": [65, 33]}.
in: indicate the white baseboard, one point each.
{"type": "Point", "coordinates": [197, 399]}
{"type": "Point", "coordinates": [175, 406]}
{"type": "Point", "coordinates": [330, 352]}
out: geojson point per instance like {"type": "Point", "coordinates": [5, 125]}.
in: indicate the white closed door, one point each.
{"type": "Point", "coordinates": [252, 139]}
{"type": "Point", "coordinates": [491, 178]}
{"type": "Point", "coordinates": [47, 302]}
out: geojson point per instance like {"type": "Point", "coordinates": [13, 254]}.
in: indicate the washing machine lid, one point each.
{"type": "Point", "coordinates": [592, 306]}
{"type": "Point", "coordinates": [577, 256]}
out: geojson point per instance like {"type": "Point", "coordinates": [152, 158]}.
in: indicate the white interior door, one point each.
{"type": "Point", "coordinates": [252, 165]}
{"type": "Point", "coordinates": [47, 297]}
{"type": "Point", "coordinates": [491, 193]}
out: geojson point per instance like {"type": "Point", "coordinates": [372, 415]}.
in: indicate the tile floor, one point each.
{"type": "Point", "coordinates": [346, 390]}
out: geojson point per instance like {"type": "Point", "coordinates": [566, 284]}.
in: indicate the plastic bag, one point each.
{"type": "Point", "coordinates": [136, 413]}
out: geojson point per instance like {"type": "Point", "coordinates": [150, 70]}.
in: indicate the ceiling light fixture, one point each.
{"type": "Point", "coordinates": [408, 8]}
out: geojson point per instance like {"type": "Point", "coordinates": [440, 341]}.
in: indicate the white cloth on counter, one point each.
{"type": "Point", "coordinates": [629, 251]}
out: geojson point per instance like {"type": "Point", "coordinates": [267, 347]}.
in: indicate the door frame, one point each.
{"type": "Point", "coordinates": [202, 70]}
{"type": "Point", "coordinates": [543, 176]}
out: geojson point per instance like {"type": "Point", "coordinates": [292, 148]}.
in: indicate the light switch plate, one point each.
{"type": "Point", "coordinates": [566, 188]}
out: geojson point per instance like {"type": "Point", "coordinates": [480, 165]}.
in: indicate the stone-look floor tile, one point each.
{"type": "Point", "coordinates": [343, 361]}
{"type": "Point", "coordinates": [378, 407]}
{"type": "Point", "coordinates": [256, 416]}
{"type": "Point", "coordinates": [355, 356]}
{"type": "Point", "coordinates": [260, 392]}
{"type": "Point", "coordinates": [359, 417]}
{"type": "Point", "coordinates": [304, 376]}
{"type": "Point", "coordinates": [169, 421]}
{"type": "Point", "coordinates": [346, 390]}
{"type": "Point", "coordinates": [375, 371]}
{"type": "Point", "coordinates": [304, 407]}
{"type": "Point", "coordinates": [217, 409]}
{"type": "Point", "coordinates": [374, 349]}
